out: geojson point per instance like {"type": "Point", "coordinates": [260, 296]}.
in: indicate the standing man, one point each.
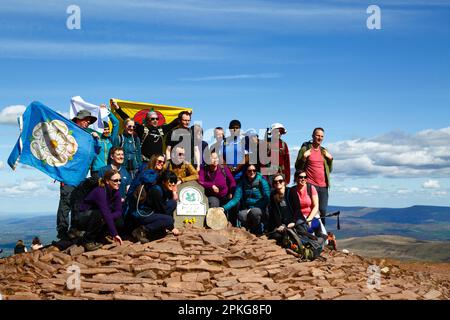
{"type": "Point", "coordinates": [317, 162]}
{"type": "Point", "coordinates": [180, 136]}
{"type": "Point", "coordinates": [83, 119]}
{"type": "Point", "coordinates": [278, 154]}
{"type": "Point", "coordinates": [235, 151]}
{"type": "Point", "coordinates": [219, 135]}
{"type": "Point", "coordinates": [150, 134]}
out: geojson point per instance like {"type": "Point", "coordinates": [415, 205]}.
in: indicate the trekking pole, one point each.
{"type": "Point", "coordinates": [332, 214]}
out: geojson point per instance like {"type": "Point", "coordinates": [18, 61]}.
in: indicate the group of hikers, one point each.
{"type": "Point", "coordinates": [133, 189]}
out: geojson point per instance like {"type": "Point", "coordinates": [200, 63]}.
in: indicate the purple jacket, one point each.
{"type": "Point", "coordinates": [108, 202]}
{"type": "Point", "coordinates": [225, 183]}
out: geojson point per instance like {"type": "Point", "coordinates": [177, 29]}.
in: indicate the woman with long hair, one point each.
{"type": "Point", "coordinates": [280, 213]}
{"type": "Point", "coordinates": [304, 201]}
{"type": "Point", "coordinates": [154, 208]}
{"type": "Point", "coordinates": [102, 208]}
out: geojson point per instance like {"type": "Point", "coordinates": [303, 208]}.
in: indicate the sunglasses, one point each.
{"type": "Point", "coordinates": [278, 181]}
{"type": "Point", "coordinates": [301, 177]}
{"type": "Point", "coordinates": [117, 180]}
{"type": "Point", "coordinates": [130, 127]}
{"type": "Point", "coordinates": [153, 119]}
{"type": "Point", "coordinates": [172, 183]}
{"type": "Point", "coordinates": [159, 161]}
{"type": "Point", "coordinates": [251, 170]}
{"type": "Point", "coordinates": [181, 154]}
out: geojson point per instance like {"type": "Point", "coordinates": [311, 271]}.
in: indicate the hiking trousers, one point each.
{"type": "Point", "coordinates": [252, 219]}
{"type": "Point", "coordinates": [322, 192]}
{"type": "Point", "coordinates": [156, 224]}
{"type": "Point", "coordinates": [216, 202]}
{"type": "Point", "coordinates": [96, 227]}
{"type": "Point", "coordinates": [62, 216]}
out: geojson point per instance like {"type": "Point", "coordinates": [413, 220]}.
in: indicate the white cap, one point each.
{"type": "Point", "coordinates": [278, 126]}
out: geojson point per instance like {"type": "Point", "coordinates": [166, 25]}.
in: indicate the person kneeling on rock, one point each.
{"type": "Point", "coordinates": [153, 208]}
{"type": "Point", "coordinates": [102, 208]}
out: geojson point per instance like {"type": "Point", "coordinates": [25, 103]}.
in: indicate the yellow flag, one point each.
{"type": "Point", "coordinates": [138, 111]}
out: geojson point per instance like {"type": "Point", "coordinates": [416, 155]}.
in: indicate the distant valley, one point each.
{"type": "Point", "coordinates": [421, 224]}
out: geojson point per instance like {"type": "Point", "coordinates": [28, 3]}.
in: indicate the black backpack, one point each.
{"type": "Point", "coordinates": [307, 246]}
{"type": "Point", "coordinates": [78, 194]}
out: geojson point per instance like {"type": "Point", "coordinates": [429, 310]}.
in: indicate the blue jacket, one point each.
{"type": "Point", "coordinates": [105, 144]}
{"type": "Point", "coordinates": [132, 150]}
{"type": "Point", "coordinates": [251, 194]}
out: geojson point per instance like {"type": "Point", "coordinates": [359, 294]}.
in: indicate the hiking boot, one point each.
{"type": "Point", "coordinates": [140, 234]}
{"type": "Point", "coordinates": [92, 246]}
{"type": "Point", "coordinates": [63, 235]}
{"type": "Point", "coordinates": [74, 233]}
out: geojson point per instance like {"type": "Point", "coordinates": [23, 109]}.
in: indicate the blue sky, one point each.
{"type": "Point", "coordinates": [382, 95]}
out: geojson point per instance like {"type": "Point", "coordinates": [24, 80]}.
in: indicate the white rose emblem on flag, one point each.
{"type": "Point", "coordinates": [53, 143]}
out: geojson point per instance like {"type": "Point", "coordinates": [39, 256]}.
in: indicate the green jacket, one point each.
{"type": "Point", "coordinates": [327, 163]}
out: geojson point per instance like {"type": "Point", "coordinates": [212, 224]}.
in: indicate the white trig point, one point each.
{"type": "Point", "coordinates": [373, 277]}
{"type": "Point", "coordinates": [74, 19]}
{"type": "Point", "coordinates": [374, 20]}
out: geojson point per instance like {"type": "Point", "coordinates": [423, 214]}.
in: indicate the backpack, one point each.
{"type": "Point", "coordinates": [136, 193]}
{"type": "Point", "coordinates": [308, 145]}
{"type": "Point", "coordinates": [307, 246]}
{"type": "Point", "coordinates": [78, 195]}
{"type": "Point", "coordinates": [140, 210]}
{"type": "Point", "coordinates": [122, 140]}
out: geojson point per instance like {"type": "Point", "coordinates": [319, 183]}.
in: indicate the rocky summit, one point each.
{"type": "Point", "coordinates": [203, 264]}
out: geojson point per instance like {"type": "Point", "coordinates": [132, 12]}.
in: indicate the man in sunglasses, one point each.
{"type": "Point", "coordinates": [317, 162]}
{"type": "Point", "coordinates": [184, 171]}
{"type": "Point", "coordinates": [116, 160]}
{"type": "Point", "coordinates": [151, 133]}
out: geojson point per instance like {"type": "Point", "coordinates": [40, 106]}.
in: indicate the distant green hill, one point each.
{"type": "Point", "coordinates": [418, 222]}
{"type": "Point", "coordinates": [25, 228]}
{"type": "Point", "coordinates": [399, 248]}
{"type": "Point", "coordinates": [427, 223]}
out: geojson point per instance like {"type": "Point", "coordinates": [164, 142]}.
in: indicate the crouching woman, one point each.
{"type": "Point", "coordinates": [155, 204]}
{"type": "Point", "coordinates": [102, 208]}
{"type": "Point", "coordinates": [281, 215]}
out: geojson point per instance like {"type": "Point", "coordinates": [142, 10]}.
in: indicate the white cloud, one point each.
{"type": "Point", "coordinates": [440, 193]}
{"type": "Point", "coordinates": [283, 16]}
{"type": "Point", "coordinates": [9, 115]}
{"type": "Point", "coordinates": [354, 190]}
{"type": "Point", "coordinates": [29, 187]}
{"type": "Point", "coordinates": [394, 155]}
{"type": "Point", "coordinates": [25, 188]}
{"type": "Point", "coordinates": [2, 165]}
{"type": "Point", "coordinates": [431, 184]}
{"type": "Point", "coordinates": [57, 49]}
{"type": "Point", "coordinates": [236, 77]}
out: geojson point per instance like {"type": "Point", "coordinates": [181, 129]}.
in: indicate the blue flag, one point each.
{"type": "Point", "coordinates": [53, 144]}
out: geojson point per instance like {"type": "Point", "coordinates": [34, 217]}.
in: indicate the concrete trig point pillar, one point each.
{"type": "Point", "coordinates": [192, 205]}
